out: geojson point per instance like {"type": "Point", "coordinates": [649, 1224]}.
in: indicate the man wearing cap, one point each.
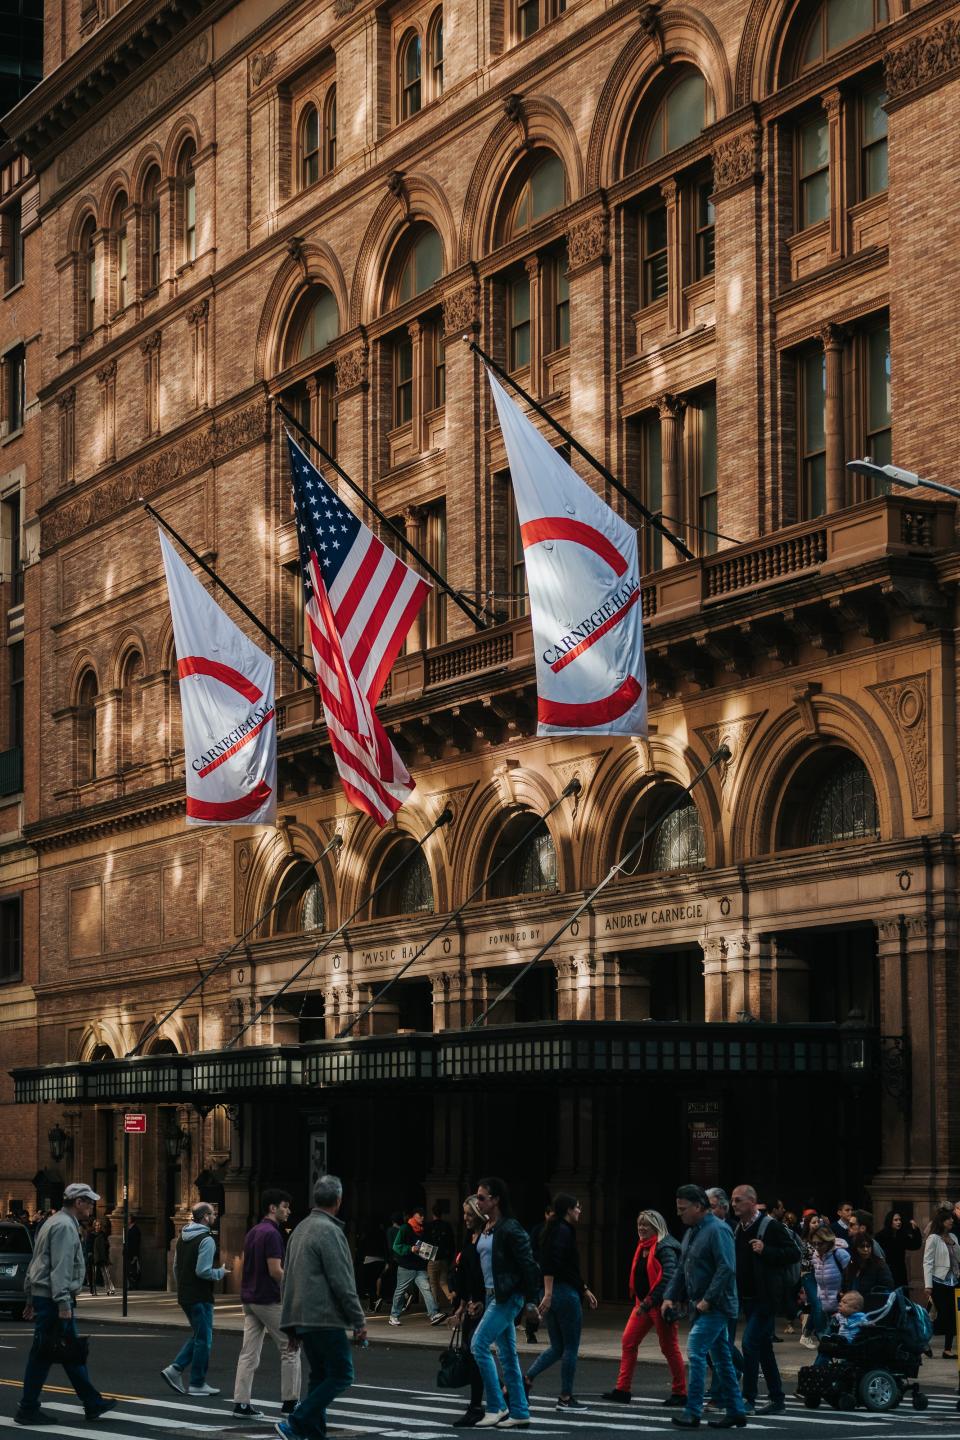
{"type": "Point", "coordinates": [53, 1280]}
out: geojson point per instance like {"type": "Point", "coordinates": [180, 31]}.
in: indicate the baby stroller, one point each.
{"type": "Point", "coordinates": [878, 1367]}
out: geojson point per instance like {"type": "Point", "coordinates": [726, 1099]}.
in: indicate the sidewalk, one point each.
{"type": "Point", "coordinates": [601, 1331]}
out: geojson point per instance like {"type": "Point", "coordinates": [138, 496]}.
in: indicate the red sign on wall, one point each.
{"type": "Point", "coordinates": [135, 1124]}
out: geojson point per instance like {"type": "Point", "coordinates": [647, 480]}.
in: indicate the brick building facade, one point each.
{"type": "Point", "coordinates": [708, 246]}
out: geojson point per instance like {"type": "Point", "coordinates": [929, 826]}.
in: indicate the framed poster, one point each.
{"type": "Point", "coordinates": [317, 1165]}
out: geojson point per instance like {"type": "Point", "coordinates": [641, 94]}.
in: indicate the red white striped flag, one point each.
{"type": "Point", "coordinates": [360, 601]}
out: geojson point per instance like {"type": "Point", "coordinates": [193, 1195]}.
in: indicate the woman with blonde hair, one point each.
{"type": "Point", "coordinates": [468, 1295]}
{"type": "Point", "coordinates": [655, 1263]}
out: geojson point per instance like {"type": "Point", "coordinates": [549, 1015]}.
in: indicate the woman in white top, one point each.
{"type": "Point", "coordinates": [941, 1272]}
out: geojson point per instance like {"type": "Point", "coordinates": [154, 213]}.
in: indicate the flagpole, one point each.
{"type": "Point", "coordinates": [310, 678]}
{"type": "Point", "coordinates": [444, 818]}
{"type": "Point", "coordinates": [723, 753]}
{"type": "Point", "coordinates": [158, 1025]}
{"type": "Point", "coordinates": [573, 788]}
{"type": "Point", "coordinates": [591, 459]}
{"type": "Point", "coordinates": [475, 616]}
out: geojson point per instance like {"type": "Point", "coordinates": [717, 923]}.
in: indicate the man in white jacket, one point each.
{"type": "Point", "coordinates": [196, 1274]}
{"type": "Point", "coordinates": [53, 1280]}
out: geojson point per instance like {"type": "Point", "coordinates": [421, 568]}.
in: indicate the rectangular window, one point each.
{"type": "Point", "coordinates": [122, 270]}
{"type": "Point", "coordinates": [811, 430]}
{"type": "Point", "coordinates": [654, 235]}
{"type": "Point", "coordinates": [190, 220]}
{"type": "Point", "coordinates": [153, 235]}
{"type": "Point", "coordinates": [435, 550]}
{"type": "Point", "coordinates": [518, 301]}
{"type": "Point", "coordinates": [11, 940]}
{"type": "Point", "coordinates": [705, 228]}
{"type": "Point", "coordinates": [651, 487]}
{"type": "Point", "coordinates": [560, 300]}
{"type": "Point", "coordinates": [402, 381]}
{"type": "Point", "coordinates": [14, 367]}
{"type": "Point", "coordinates": [15, 655]}
{"type": "Point", "coordinates": [556, 8]}
{"type": "Point", "coordinates": [12, 219]}
{"type": "Point", "coordinates": [11, 534]}
{"type": "Point", "coordinates": [873, 142]}
{"type": "Point", "coordinates": [879, 435]}
{"type": "Point", "coordinates": [438, 386]}
{"type": "Point", "coordinates": [813, 170]}
{"type": "Point", "coordinates": [704, 457]}
{"type": "Point", "coordinates": [528, 18]}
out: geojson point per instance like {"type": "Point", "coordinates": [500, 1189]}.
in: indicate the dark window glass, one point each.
{"type": "Point", "coordinates": [330, 130]}
{"type": "Point", "coordinates": [402, 381]}
{"type": "Point", "coordinates": [813, 166]}
{"type": "Point", "coordinates": [654, 254]}
{"type": "Point", "coordinates": [410, 892]}
{"type": "Point", "coordinates": [528, 18]}
{"type": "Point", "coordinates": [706, 258]}
{"type": "Point", "coordinates": [845, 806]}
{"type": "Point", "coordinates": [309, 147]}
{"type": "Point", "coordinates": [813, 440]}
{"type": "Point", "coordinates": [11, 939]}
{"type": "Point", "coordinates": [410, 86]}
{"type": "Point", "coordinates": [678, 843]}
{"type": "Point", "coordinates": [518, 300]}
{"type": "Point", "coordinates": [12, 219]}
{"type": "Point", "coordinates": [873, 142]}
{"type": "Point", "coordinates": [533, 869]}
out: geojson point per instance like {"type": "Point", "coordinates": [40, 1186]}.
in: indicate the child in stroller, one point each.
{"type": "Point", "coordinates": [870, 1359]}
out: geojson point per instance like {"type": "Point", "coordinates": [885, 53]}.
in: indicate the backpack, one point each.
{"type": "Point", "coordinates": [788, 1277]}
{"type": "Point", "coordinates": [916, 1327]}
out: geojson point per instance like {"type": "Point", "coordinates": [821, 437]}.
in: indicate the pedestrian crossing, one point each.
{"type": "Point", "coordinates": [398, 1413]}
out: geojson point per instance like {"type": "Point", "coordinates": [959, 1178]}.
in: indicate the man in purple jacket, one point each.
{"type": "Point", "coordinates": [263, 1254]}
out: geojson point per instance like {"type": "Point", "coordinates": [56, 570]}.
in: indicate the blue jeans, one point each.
{"type": "Point", "coordinates": [496, 1328]}
{"type": "Point", "coordinates": [406, 1278]}
{"type": "Point", "coordinates": [757, 1345]}
{"type": "Point", "coordinates": [709, 1336]}
{"type": "Point", "coordinates": [564, 1322]}
{"type": "Point", "coordinates": [331, 1372]}
{"type": "Point", "coordinates": [195, 1352]}
{"type": "Point", "coordinates": [817, 1322]}
{"type": "Point", "coordinates": [34, 1378]}
{"type": "Point", "coordinates": [735, 1355]}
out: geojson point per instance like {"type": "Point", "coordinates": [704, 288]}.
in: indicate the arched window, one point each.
{"type": "Point", "coordinates": [678, 843]}
{"type": "Point", "coordinates": [330, 131]}
{"type": "Point", "coordinates": [88, 277]}
{"type": "Point", "coordinates": [409, 64]}
{"type": "Point", "coordinates": [435, 54]}
{"type": "Point", "coordinates": [102, 1052]}
{"type": "Point", "coordinates": [535, 330]}
{"type": "Point", "coordinates": [320, 326]}
{"type": "Point", "coordinates": [410, 892]}
{"type": "Point", "coordinates": [309, 147]}
{"type": "Point", "coordinates": [679, 118]}
{"type": "Point", "coordinates": [175, 721]}
{"type": "Point", "coordinates": [162, 1047]}
{"type": "Point", "coordinates": [838, 23]}
{"type": "Point", "coordinates": [301, 907]}
{"type": "Point", "coordinates": [543, 191]}
{"type": "Point", "coordinates": [118, 226]}
{"type": "Point", "coordinates": [845, 805]}
{"type": "Point", "coordinates": [422, 265]}
{"type": "Point", "coordinates": [151, 228]}
{"type": "Point", "coordinates": [131, 707]}
{"type": "Point", "coordinates": [87, 728]}
{"type": "Point", "coordinates": [533, 869]}
{"type": "Point", "coordinates": [187, 185]}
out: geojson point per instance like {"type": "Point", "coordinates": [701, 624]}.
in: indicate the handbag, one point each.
{"type": "Point", "coordinates": [65, 1347]}
{"type": "Point", "coordinates": [454, 1370]}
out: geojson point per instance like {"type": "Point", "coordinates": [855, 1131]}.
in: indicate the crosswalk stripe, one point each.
{"type": "Point", "coordinates": [158, 1422]}
{"type": "Point", "coordinates": [85, 1432]}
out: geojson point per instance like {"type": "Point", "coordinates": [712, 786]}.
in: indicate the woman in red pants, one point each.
{"type": "Point", "coordinates": [654, 1263]}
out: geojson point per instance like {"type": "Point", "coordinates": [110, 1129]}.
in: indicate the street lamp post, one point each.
{"type": "Point", "coordinates": [899, 476]}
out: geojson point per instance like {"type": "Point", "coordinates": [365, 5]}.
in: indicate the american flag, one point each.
{"type": "Point", "coordinates": [360, 601]}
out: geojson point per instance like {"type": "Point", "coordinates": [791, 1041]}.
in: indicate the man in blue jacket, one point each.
{"type": "Point", "coordinates": [706, 1280]}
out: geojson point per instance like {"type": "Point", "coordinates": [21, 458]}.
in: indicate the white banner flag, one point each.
{"type": "Point", "coordinates": [227, 701]}
{"type": "Point", "coordinates": [583, 575]}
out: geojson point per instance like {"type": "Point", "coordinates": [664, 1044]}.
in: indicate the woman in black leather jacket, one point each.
{"type": "Point", "coordinates": [510, 1280]}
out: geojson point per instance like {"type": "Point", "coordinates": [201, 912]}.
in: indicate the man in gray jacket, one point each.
{"type": "Point", "coordinates": [706, 1280]}
{"type": "Point", "coordinates": [320, 1302]}
{"type": "Point", "coordinates": [53, 1280]}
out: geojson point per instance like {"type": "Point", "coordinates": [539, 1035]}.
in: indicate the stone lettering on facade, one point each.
{"type": "Point", "coordinates": [656, 915]}
{"type": "Point", "coordinates": [509, 939]}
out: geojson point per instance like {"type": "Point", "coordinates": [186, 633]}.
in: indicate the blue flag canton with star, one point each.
{"type": "Point", "coordinates": [324, 523]}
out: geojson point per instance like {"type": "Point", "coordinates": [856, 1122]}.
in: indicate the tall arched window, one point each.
{"type": "Point", "coordinates": [321, 324]}
{"type": "Point", "coordinates": [678, 843]}
{"type": "Point", "coordinates": [187, 189]}
{"type": "Point", "coordinates": [838, 23]}
{"type": "Point", "coordinates": [301, 906]}
{"type": "Point", "coordinates": [87, 728]}
{"type": "Point", "coordinates": [536, 293]}
{"type": "Point", "coordinates": [435, 54]}
{"type": "Point", "coordinates": [543, 191]}
{"type": "Point", "coordinates": [88, 276]}
{"type": "Point", "coordinates": [422, 266]}
{"type": "Point", "coordinates": [409, 66]}
{"type": "Point", "coordinates": [151, 228]}
{"type": "Point", "coordinates": [118, 227]}
{"type": "Point", "coordinates": [309, 146]}
{"type": "Point", "coordinates": [844, 807]}
{"type": "Point", "coordinates": [533, 869]}
{"type": "Point", "coordinates": [410, 891]}
{"type": "Point", "coordinates": [330, 130]}
{"type": "Point", "coordinates": [131, 706]}
{"type": "Point", "coordinates": [414, 353]}
{"type": "Point", "coordinates": [679, 118]}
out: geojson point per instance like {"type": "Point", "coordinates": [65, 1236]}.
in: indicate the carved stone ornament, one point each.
{"type": "Point", "coordinates": [193, 453]}
{"type": "Point", "coordinates": [587, 242]}
{"type": "Point", "coordinates": [351, 369]}
{"type": "Point", "coordinates": [583, 768]}
{"type": "Point", "coordinates": [907, 703]}
{"type": "Point", "coordinates": [735, 734]}
{"type": "Point", "coordinates": [242, 868]}
{"type": "Point", "coordinates": [67, 398]}
{"type": "Point", "coordinates": [261, 64]}
{"type": "Point", "coordinates": [152, 343]}
{"type": "Point", "coordinates": [344, 7]}
{"type": "Point", "coordinates": [803, 696]}
{"type": "Point", "coordinates": [107, 372]}
{"type": "Point", "coordinates": [455, 800]}
{"type": "Point", "coordinates": [460, 311]}
{"type": "Point", "coordinates": [198, 312]}
{"type": "Point", "coordinates": [923, 60]}
{"type": "Point", "coordinates": [736, 161]}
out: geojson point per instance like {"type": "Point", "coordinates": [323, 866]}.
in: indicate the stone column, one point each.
{"type": "Point", "coordinates": [588, 273]}
{"type": "Point", "coordinates": [832, 337]}
{"type": "Point", "coordinates": [352, 410]}
{"type": "Point", "coordinates": [537, 320]}
{"type": "Point", "coordinates": [791, 984]}
{"type": "Point", "coordinates": [831, 102]}
{"type": "Point", "coordinates": [714, 979]}
{"type": "Point", "coordinates": [197, 318]}
{"type": "Point", "coordinates": [675, 268]}
{"type": "Point", "coordinates": [107, 380]}
{"type": "Point", "coordinates": [415, 331]}
{"type": "Point", "coordinates": [66, 409]}
{"type": "Point", "coordinates": [633, 991]}
{"type": "Point", "coordinates": [150, 350]}
{"type": "Point", "coordinates": [671, 409]}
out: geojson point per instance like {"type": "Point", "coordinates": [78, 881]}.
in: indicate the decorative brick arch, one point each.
{"type": "Point", "coordinates": [417, 198]}
{"type": "Point", "coordinates": [149, 157]}
{"type": "Point", "coordinates": [688, 39]}
{"type": "Point", "coordinates": [767, 32]}
{"type": "Point", "coordinates": [131, 641]}
{"type": "Point", "coordinates": [186, 128]}
{"type": "Point", "coordinates": [103, 1032]}
{"type": "Point", "coordinates": [82, 665]}
{"type": "Point", "coordinates": [117, 182]}
{"type": "Point", "coordinates": [314, 264]}
{"type": "Point", "coordinates": [174, 1030]}
{"type": "Point", "coordinates": [514, 790]}
{"type": "Point", "coordinates": [274, 856]}
{"type": "Point", "coordinates": [365, 845]}
{"type": "Point", "coordinates": [86, 209]}
{"type": "Point", "coordinates": [545, 125]}
{"type": "Point", "coordinates": [779, 750]}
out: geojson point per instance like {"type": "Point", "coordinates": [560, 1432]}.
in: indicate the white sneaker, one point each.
{"type": "Point", "coordinates": [437, 1318]}
{"type": "Point", "coordinates": [174, 1379]}
{"type": "Point", "coordinates": [808, 1342]}
{"type": "Point", "coordinates": [493, 1417]}
{"type": "Point", "coordinates": [203, 1389]}
{"type": "Point", "coordinates": [393, 1320]}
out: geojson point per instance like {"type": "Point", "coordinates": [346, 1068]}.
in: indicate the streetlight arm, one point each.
{"type": "Point", "coordinates": [899, 476]}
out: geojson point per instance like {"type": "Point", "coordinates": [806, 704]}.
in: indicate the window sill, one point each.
{"type": "Point", "coordinates": [650, 323]}
{"type": "Point", "coordinates": [13, 289]}
{"type": "Point", "coordinates": [809, 250]}
{"type": "Point", "coordinates": [14, 435]}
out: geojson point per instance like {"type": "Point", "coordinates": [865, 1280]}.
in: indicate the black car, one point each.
{"type": "Point", "coordinates": [16, 1248]}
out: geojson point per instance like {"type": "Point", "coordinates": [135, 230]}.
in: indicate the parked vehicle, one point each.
{"type": "Point", "coordinates": [16, 1248]}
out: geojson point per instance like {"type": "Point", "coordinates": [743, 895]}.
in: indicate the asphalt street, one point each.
{"type": "Point", "coordinates": [394, 1395]}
